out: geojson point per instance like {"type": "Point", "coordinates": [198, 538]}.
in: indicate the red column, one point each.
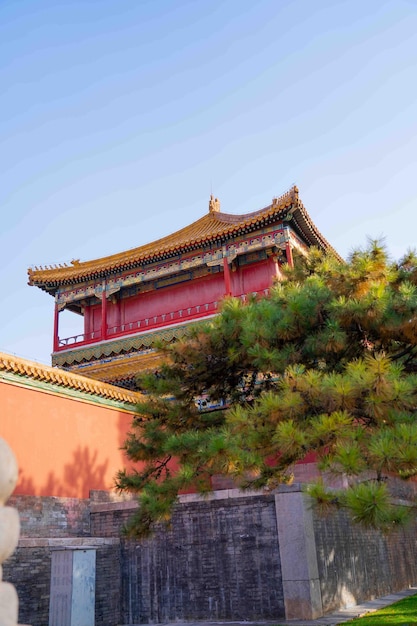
{"type": "Point", "coordinates": [56, 336]}
{"type": "Point", "coordinates": [288, 252]}
{"type": "Point", "coordinates": [276, 272]}
{"type": "Point", "coordinates": [103, 312]}
{"type": "Point", "coordinates": [227, 278]}
{"type": "Point", "coordinates": [288, 249]}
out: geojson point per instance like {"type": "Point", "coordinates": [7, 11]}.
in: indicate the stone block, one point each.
{"type": "Point", "coordinates": [302, 599]}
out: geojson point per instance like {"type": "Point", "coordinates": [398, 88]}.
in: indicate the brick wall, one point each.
{"type": "Point", "coordinates": [108, 519]}
{"type": "Point", "coordinates": [356, 564]}
{"type": "Point", "coordinates": [29, 569]}
{"type": "Point", "coordinates": [108, 585]}
{"type": "Point", "coordinates": [52, 516]}
{"type": "Point", "coordinates": [218, 561]}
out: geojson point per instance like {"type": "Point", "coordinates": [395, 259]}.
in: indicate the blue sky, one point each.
{"type": "Point", "coordinates": [118, 119]}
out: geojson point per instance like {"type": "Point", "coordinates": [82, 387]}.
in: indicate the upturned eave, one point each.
{"type": "Point", "coordinates": [214, 228]}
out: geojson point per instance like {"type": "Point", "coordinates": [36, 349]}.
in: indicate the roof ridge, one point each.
{"type": "Point", "coordinates": [213, 226]}
{"type": "Point", "coordinates": [214, 216]}
{"type": "Point", "coordinates": [63, 378]}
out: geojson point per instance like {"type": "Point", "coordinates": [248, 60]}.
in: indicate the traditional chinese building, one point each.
{"type": "Point", "coordinates": [131, 299]}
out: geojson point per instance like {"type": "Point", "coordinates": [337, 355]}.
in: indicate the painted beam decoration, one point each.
{"type": "Point", "coordinates": [230, 252]}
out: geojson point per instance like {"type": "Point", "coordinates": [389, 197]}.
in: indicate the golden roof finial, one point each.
{"type": "Point", "coordinates": [214, 204]}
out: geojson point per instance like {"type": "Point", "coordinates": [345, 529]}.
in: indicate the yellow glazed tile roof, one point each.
{"type": "Point", "coordinates": [213, 226]}
{"type": "Point", "coordinates": [62, 378]}
{"type": "Point", "coordinates": [125, 367]}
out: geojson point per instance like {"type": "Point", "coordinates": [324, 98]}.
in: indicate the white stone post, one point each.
{"type": "Point", "coordinates": [9, 533]}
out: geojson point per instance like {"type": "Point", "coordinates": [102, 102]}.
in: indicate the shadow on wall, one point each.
{"type": "Point", "coordinates": [79, 476]}
{"type": "Point", "coordinates": [124, 427]}
{"type": "Point", "coordinates": [357, 564]}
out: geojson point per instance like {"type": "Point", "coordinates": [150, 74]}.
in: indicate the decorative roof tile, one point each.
{"type": "Point", "coordinates": [215, 226]}
{"type": "Point", "coordinates": [123, 368]}
{"type": "Point", "coordinates": [62, 378]}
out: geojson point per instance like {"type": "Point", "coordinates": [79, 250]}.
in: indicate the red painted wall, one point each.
{"type": "Point", "coordinates": [92, 318]}
{"type": "Point", "coordinates": [165, 300]}
{"type": "Point", "coordinates": [252, 278]}
{"type": "Point", "coordinates": [64, 447]}
{"type": "Point", "coordinates": [209, 289]}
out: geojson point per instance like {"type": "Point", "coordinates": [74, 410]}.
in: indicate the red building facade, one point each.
{"type": "Point", "coordinates": [131, 299]}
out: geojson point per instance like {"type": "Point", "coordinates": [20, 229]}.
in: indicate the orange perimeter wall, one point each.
{"type": "Point", "coordinates": [64, 447]}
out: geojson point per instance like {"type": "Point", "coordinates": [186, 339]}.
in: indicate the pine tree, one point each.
{"type": "Point", "coordinates": [326, 364]}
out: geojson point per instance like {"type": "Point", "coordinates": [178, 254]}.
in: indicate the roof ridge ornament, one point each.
{"type": "Point", "coordinates": [214, 204]}
{"type": "Point", "coordinates": [291, 195]}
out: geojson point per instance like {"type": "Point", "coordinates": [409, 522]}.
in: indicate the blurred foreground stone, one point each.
{"type": "Point", "coordinates": [9, 533]}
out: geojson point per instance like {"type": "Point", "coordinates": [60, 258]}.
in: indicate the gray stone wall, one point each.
{"type": "Point", "coordinates": [108, 585]}
{"type": "Point", "coordinates": [232, 556]}
{"type": "Point", "coordinates": [219, 561]}
{"type": "Point", "coordinates": [109, 518]}
{"type": "Point", "coordinates": [30, 571]}
{"type": "Point", "coordinates": [356, 564]}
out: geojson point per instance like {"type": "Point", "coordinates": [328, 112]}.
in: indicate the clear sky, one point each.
{"type": "Point", "coordinates": [120, 117]}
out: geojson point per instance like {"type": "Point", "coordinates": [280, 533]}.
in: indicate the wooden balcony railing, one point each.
{"type": "Point", "coordinates": [199, 311]}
